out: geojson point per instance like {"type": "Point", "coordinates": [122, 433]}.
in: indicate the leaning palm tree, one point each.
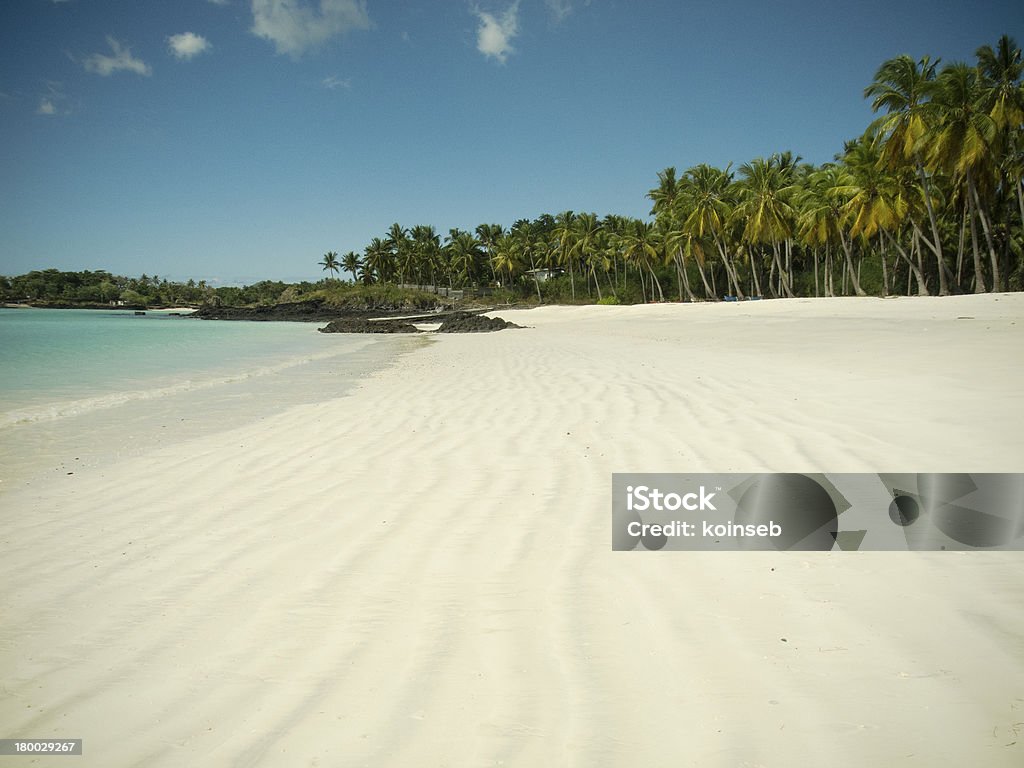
{"type": "Point", "coordinates": [330, 262]}
{"type": "Point", "coordinates": [962, 145]}
{"type": "Point", "coordinates": [904, 88]}
{"type": "Point", "coordinates": [706, 206]}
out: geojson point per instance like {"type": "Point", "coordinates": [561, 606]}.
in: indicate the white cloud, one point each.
{"type": "Point", "coordinates": [295, 26]}
{"type": "Point", "coordinates": [46, 107]}
{"type": "Point", "coordinates": [331, 82]}
{"type": "Point", "coordinates": [187, 45]}
{"type": "Point", "coordinates": [121, 60]}
{"type": "Point", "coordinates": [494, 35]}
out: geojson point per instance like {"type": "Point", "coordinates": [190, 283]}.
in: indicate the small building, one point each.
{"type": "Point", "coordinates": [540, 275]}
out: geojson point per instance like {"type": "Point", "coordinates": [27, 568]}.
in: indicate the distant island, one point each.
{"type": "Point", "coordinates": [928, 200]}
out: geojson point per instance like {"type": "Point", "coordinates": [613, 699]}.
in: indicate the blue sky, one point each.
{"type": "Point", "coordinates": [241, 139]}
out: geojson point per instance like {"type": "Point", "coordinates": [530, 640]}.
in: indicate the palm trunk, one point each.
{"type": "Point", "coordinates": [997, 280]}
{"type": "Point", "coordinates": [757, 279]}
{"type": "Point", "coordinates": [655, 281]}
{"type": "Point", "coordinates": [960, 248]}
{"type": "Point", "coordinates": [1020, 199]}
{"type": "Point", "coordinates": [731, 273]}
{"type": "Point", "coordinates": [849, 265]}
{"type": "Point", "coordinates": [681, 276]}
{"type": "Point", "coordinates": [708, 291]}
{"type": "Point", "coordinates": [979, 274]}
{"type": "Point", "coordinates": [912, 268]}
{"type": "Point", "coordinates": [931, 211]}
{"type": "Point", "coordinates": [816, 290]}
{"type": "Point", "coordinates": [789, 266]}
{"type": "Point", "coordinates": [829, 289]}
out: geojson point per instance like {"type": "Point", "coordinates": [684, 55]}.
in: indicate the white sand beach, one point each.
{"type": "Point", "coordinates": [421, 574]}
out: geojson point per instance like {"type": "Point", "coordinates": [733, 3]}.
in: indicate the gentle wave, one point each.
{"type": "Point", "coordinates": [54, 411]}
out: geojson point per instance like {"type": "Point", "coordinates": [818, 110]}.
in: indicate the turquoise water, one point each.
{"type": "Point", "coordinates": [86, 386]}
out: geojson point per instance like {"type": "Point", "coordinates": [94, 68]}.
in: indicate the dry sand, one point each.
{"type": "Point", "coordinates": [420, 574]}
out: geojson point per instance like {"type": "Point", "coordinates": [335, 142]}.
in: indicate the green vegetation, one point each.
{"type": "Point", "coordinates": [50, 286]}
{"type": "Point", "coordinates": [55, 288]}
{"type": "Point", "coordinates": [929, 199]}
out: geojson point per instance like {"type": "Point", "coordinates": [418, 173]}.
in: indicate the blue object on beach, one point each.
{"type": "Point", "coordinates": [729, 298]}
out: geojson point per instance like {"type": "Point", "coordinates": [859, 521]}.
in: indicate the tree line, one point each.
{"type": "Point", "coordinates": [928, 200]}
{"type": "Point", "coordinates": [96, 287]}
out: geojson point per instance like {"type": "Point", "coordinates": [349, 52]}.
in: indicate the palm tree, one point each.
{"type": "Point", "coordinates": [904, 87]}
{"type": "Point", "coordinates": [564, 232]}
{"type": "Point", "coordinates": [879, 203]}
{"type": "Point", "coordinates": [670, 209]}
{"type": "Point", "coordinates": [640, 244]}
{"type": "Point", "coordinates": [1002, 97]}
{"type": "Point", "coordinates": [378, 261]}
{"type": "Point", "coordinates": [330, 262]}
{"type": "Point", "coordinates": [423, 253]}
{"type": "Point", "coordinates": [488, 235]}
{"type": "Point", "coordinates": [398, 244]}
{"type": "Point", "coordinates": [524, 233]}
{"type": "Point", "coordinates": [505, 252]}
{"type": "Point", "coordinates": [765, 212]}
{"type": "Point", "coordinates": [707, 206]}
{"type": "Point", "coordinates": [1000, 72]}
{"type": "Point", "coordinates": [823, 203]}
{"type": "Point", "coordinates": [464, 256]}
{"type": "Point", "coordinates": [351, 263]}
{"type": "Point", "coordinates": [584, 245]}
{"type": "Point", "coordinates": [962, 142]}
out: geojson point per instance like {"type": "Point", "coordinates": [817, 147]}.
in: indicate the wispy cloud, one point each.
{"type": "Point", "coordinates": [187, 45]}
{"type": "Point", "coordinates": [296, 26]}
{"type": "Point", "coordinates": [331, 82]}
{"type": "Point", "coordinates": [49, 101]}
{"type": "Point", "coordinates": [220, 2]}
{"type": "Point", "coordinates": [559, 9]}
{"type": "Point", "coordinates": [495, 34]}
{"type": "Point", "coordinates": [121, 60]}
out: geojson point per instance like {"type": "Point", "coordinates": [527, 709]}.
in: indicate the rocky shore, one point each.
{"type": "Point", "coordinates": [451, 322]}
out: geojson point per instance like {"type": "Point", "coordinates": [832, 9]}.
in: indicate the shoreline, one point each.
{"type": "Point", "coordinates": [420, 571]}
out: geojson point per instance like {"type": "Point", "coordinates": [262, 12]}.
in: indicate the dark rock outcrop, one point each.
{"type": "Point", "coordinates": [362, 325]}
{"type": "Point", "coordinates": [467, 322]}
